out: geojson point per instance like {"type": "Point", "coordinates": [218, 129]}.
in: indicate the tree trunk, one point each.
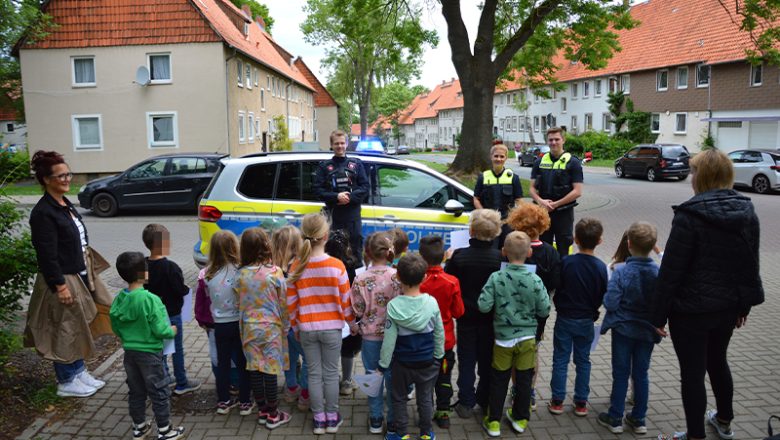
{"type": "Point", "coordinates": [477, 131]}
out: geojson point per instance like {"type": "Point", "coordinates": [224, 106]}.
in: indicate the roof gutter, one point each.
{"type": "Point", "coordinates": [227, 96]}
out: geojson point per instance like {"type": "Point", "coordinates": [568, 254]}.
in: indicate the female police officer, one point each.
{"type": "Point", "coordinates": [498, 188]}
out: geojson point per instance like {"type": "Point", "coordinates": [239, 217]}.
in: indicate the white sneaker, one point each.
{"type": "Point", "coordinates": [75, 388]}
{"type": "Point", "coordinates": [89, 380]}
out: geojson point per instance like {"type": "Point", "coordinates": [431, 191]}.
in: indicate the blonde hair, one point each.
{"type": "Point", "coordinates": [711, 169]}
{"type": "Point", "coordinates": [516, 245]}
{"type": "Point", "coordinates": [379, 246]}
{"type": "Point", "coordinates": [499, 147]}
{"type": "Point", "coordinates": [223, 250]}
{"type": "Point", "coordinates": [485, 224]}
{"type": "Point", "coordinates": [285, 243]}
{"type": "Point", "coordinates": [642, 236]}
{"type": "Point", "coordinates": [529, 218]}
{"type": "Point", "coordinates": [314, 228]}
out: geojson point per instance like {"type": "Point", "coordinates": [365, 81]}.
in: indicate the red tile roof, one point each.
{"type": "Point", "coordinates": [322, 98]}
{"type": "Point", "coordinates": [427, 105]}
{"type": "Point", "coordinates": [451, 97]}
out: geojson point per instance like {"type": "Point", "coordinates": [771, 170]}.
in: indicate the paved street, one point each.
{"type": "Point", "coordinates": [754, 353]}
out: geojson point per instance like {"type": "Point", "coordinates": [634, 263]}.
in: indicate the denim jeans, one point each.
{"type": "Point", "coordinates": [178, 357]}
{"type": "Point", "coordinates": [146, 377]}
{"type": "Point", "coordinates": [475, 352]}
{"type": "Point", "coordinates": [630, 357]}
{"type": "Point", "coordinates": [568, 334]}
{"type": "Point", "coordinates": [370, 355]}
{"type": "Point", "coordinates": [67, 372]}
{"type": "Point", "coordinates": [293, 377]}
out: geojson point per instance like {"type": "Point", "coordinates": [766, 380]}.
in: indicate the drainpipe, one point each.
{"type": "Point", "coordinates": [227, 96]}
{"type": "Point", "coordinates": [287, 105]}
{"type": "Point", "coordinates": [709, 106]}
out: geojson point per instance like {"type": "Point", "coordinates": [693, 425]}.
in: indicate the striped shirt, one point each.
{"type": "Point", "coordinates": [319, 300]}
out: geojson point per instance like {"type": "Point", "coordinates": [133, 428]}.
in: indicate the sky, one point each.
{"type": "Point", "coordinates": [288, 16]}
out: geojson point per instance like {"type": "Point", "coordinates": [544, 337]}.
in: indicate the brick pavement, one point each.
{"type": "Point", "coordinates": [754, 352]}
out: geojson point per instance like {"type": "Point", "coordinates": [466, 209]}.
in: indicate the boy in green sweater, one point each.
{"type": "Point", "coordinates": [139, 318]}
{"type": "Point", "coordinates": [518, 298]}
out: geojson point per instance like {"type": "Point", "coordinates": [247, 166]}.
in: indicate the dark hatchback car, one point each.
{"type": "Point", "coordinates": [166, 182]}
{"type": "Point", "coordinates": [528, 156]}
{"type": "Point", "coordinates": [654, 161]}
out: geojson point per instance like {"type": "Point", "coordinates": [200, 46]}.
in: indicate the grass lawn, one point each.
{"type": "Point", "coordinates": [469, 182]}
{"type": "Point", "coordinates": [452, 153]}
{"type": "Point", "coordinates": [604, 163]}
{"type": "Point", "coordinates": [25, 189]}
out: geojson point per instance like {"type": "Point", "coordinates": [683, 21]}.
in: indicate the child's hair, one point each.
{"type": "Point", "coordinates": [285, 243]}
{"type": "Point", "coordinates": [621, 253]}
{"type": "Point", "coordinates": [485, 224]}
{"type": "Point", "coordinates": [379, 246]}
{"type": "Point", "coordinates": [255, 247]}
{"type": "Point", "coordinates": [338, 246]}
{"type": "Point", "coordinates": [223, 250]}
{"type": "Point", "coordinates": [131, 266]}
{"type": "Point", "coordinates": [432, 249]}
{"type": "Point", "coordinates": [642, 236]}
{"type": "Point", "coordinates": [588, 232]}
{"type": "Point", "coordinates": [153, 235]}
{"type": "Point", "coordinates": [411, 269]}
{"type": "Point", "coordinates": [516, 245]}
{"type": "Point", "coordinates": [400, 240]}
{"type": "Point", "coordinates": [529, 218]}
{"type": "Point", "coordinates": [314, 228]}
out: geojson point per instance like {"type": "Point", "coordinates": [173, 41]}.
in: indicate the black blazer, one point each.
{"type": "Point", "coordinates": [56, 240]}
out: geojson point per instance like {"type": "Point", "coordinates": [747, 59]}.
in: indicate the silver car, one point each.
{"type": "Point", "coordinates": [758, 169]}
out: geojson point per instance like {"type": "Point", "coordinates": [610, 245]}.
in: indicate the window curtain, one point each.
{"type": "Point", "coordinates": [163, 129]}
{"type": "Point", "coordinates": [84, 70]}
{"type": "Point", "coordinates": [89, 131]}
{"type": "Point", "coordinates": [161, 67]}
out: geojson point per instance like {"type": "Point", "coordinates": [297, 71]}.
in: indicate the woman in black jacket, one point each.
{"type": "Point", "coordinates": [61, 306]}
{"type": "Point", "coordinates": [709, 280]}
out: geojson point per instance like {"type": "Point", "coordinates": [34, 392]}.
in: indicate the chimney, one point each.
{"type": "Point", "coordinates": [260, 21]}
{"type": "Point", "coordinates": [247, 11]}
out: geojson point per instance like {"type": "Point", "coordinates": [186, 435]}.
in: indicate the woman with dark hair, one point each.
{"type": "Point", "coordinates": [709, 280]}
{"type": "Point", "coordinates": [62, 306]}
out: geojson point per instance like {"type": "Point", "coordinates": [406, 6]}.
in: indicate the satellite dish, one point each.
{"type": "Point", "coordinates": [142, 76]}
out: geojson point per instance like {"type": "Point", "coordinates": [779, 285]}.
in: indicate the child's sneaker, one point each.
{"type": "Point", "coordinates": [190, 386]}
{"type": "Point", "coordinates": [442, 419]}
{"type": "Point", "coordinates": [723, 428]}
{"type": "Point", "coordinates": [277, 420]}
{"type": "Point", "coordinates": [291, 395]}
{"type": "Point", "coordinates": [303, 402]}
{"type": "Point", "coordinates": [581, 409]}
{"type": "Point", "coordinates": [170, 433]}
{"type": "Point", "coordinates": [226, 406]}
{"type": "Point", "coordinates": [262, 417]}
{"type": "Point", "coordinates": [332, 425]}
{"type": "Point", "coordinates": [492, 428]}
{"type": "Point", "coordinates": [142, 430]}
{"type": "Point", "coordinates": [555, 406]}
{"type": "Point", "coordinates": [390, 435]}
{"type": "Point", "coordinates": [615, 426]}
{"type": "Point", "coordinates": [246, 408]}
{"type": "Point", "coordinates": [346, 387]}
{"type": "Point", "coordinates": [464, 412]}
{"type": "Point", "coordinates": [533, 399]}
{"type": "Point", "coordinates": [675, 436]}
{"type": "Point", "coordinates": [375, 425]}
{"type": "Point", "coordinates": [519, 425]}
{"type": "Point", "coordinates": [428, 436]}
{"type": "Point", "coordinates": [318, 427]}
{"type": "Point", "coordinates": [637, 425]}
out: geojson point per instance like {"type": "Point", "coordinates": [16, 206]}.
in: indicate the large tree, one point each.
{"type": "Point", "coordinates": [377, 41]}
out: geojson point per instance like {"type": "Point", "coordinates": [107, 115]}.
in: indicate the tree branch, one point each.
{"type": "Point", "coordinates": [458, 36]}
{"type": "Point", "coordinates": [483, 45]}
{"type": "Point", "coordinates": [518, 40]}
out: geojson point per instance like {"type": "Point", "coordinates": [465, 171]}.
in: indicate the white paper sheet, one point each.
{"type": "Point", "coordinates": [459, 239]}
{"type": "Point", "coordinates": [186, 308]}
{"type": "Point", "coordinates": [596, 336]}
{"type": "Point", "coordinates": [370, 384]}
{"type": "Point", "coordinates": [168, 347]}
{"type": "Point", "coordinates": [345, 330]}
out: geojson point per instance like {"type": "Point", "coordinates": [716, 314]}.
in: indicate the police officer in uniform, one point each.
{"type": "Point", "coordinates": [342, 183]}
{"type": "Point", "coordinates": [498, 188]}
{"type": "Point", "coordinates": [556, 184]}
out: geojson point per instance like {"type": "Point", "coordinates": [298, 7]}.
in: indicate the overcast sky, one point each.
{"type": "Point", "coordinates": [288, 16]}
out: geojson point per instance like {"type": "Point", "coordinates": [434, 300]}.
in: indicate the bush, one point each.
{"type": "Point", "coordinates": [601, 144]}
{"type": "Point", "coordinates": [14, 166]}
{"type": "Point", "coordinates": [280, 139]}
{"type": "Point", "coordinates": [17, 260]}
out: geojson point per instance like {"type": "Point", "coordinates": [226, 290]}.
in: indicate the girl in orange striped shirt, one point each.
{"type": "Point", "coordinates": [319, 303]}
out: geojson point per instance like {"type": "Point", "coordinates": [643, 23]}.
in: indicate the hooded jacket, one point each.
{"type": "Point", "coordinates": [711, 259]}
{"type": "Point", "coordinates": [139, 318]}
{"type": "Point", "coordinates": [414, 334]}
{"type": "Point", "coordinates": [472, 267]}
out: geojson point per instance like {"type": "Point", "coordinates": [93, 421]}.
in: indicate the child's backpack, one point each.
{"type": "Point", "coordinates": [769, 429]}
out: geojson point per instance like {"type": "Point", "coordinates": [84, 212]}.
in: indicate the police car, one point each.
{"type": "Point", "coordinates": [271, 190]}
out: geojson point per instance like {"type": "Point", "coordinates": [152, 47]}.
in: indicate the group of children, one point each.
{"type": "Point", "coordinates": [284, 304]}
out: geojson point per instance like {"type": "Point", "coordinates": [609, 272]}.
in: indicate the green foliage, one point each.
{"type": "Point", "coordinates": [759, 19]}
{"type": "Point", "coordinates": [41, 398]}
{"type": "Point", "coordinates": [10, 342]}
{"type": "Point", "coordinates": [600, 143]}
{"type": "Point", "coordinates": [258, 9]}
{"type": "Point", "coordinates": [638, 123]}
{"type": "Point", "coordinates": [280, 140]}
{"type": "Point", "coordinates": [17, 260]}
{"type": "Point", "coordinates": [615, 101]}
{"type": "Point", "coordinates": [708, 142]}
{"type": "Point", "coordinates": [457, 140]}
{"type": "Point", "coordinates": [14, 166]}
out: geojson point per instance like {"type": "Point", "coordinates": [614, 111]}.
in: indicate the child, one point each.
{"type": "Point", "coordinates": [318, 303]}
{"type": "Point", "coordinates": [629, 304]}
{"type": "Point", "coordinates": [167, 282]}
{"type": "Point", "coordinates": [400, 243]}
{"type": "Point", "coordinates": [285, 242]}
{"type": "Point", "coordinates": [414, 341]}
{"type": "Point", "coordinates": [472, 266]}
{"type": "Point", "coordinates": [139, 319]}
{"type": "Point", "coordinates": [445, 288]}
{"type": "Point", "coordinates": [519, 299]}
{"type": "Point", "coordinates": [262, 302]}
{"type": "Point", "coordinates": [371, 292]}
{"type": "Point", "coordinates": [577, 302]}
{"type": "Point", "coordinates": [219, 277]}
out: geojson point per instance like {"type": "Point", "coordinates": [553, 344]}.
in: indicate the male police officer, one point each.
{"type": "Point", "coordinates": [556, 184]}
{"type": "Point", "coordinates": [341, 182]}
{"type": "Point", "coordinates": [498, 188]}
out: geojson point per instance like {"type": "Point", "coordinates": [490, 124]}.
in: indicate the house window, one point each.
{"type": "Point", "coordinates": [553, 93]}
{"type": "Point", "coordinates": [262, 99]}
{"type": "Point", "coordinates": [501, 124]}
{"type": "Point", "coordinates": [625, 84]}
{"type": "Point", "coordinates": [574, 90]}
{"type": "Point", "coordinates": [87, 132]}
{"type": "Point", "coordinates": [588, 121]}
{"type": "Point", "coordinates": [613, 85]}
{"type": "Point", "coordinates": [536, 98]}
{"type": "Point", "coordinates": [9, 128]}
{"type": "Point", "coordinates": [662, 80]}
{"type": "Point", "coordinates": [655, 123]}
{"type": "Point", "coordinates": [536, 124]}
{"type": "Point", "coordinates": [563, 105]}
{"type": "Point", "coordinates": [83, 71]}
{"type": "Point", "coordinates": [251, 128]}
{"type": "Point", "coordinates": [268, 86]}
{"type": "Point", "coordinates": [702, 75]}
{"type": "Point", "coordinates": [597, 88]}
{"type": "Point", "coordinates": [514, 123]}
{"type": "Point", "coordinates": [160, 68]}
{"type": "Point", "coordinates": [574, 124]}
{"type": "Point", "coordinates": [255, 75]}
{"type": "Point", "coordinates": [162, 129]}
{"type": "Point", "coordinates": [680, 122]}
{"type": "Point", "coordinates": [756, 74]}
{"type": "Point", "coordinates": [241, 128]}
{"type": "Point", "coordinates": [240, 70]}
{"type": "Point", "coordinates": [544, 124]}
{"type": "Point", "coordinates": [606, 122]}
{"type": "Point", "coordinates": [585, 89]}
{"type": "Point", "coordinates": [257, 127]}
{"type": "Point", "coordinates": [248, 75]}
{"type": "Point", "coordinates": [682, 77]}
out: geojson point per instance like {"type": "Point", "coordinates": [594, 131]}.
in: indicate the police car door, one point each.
{"type": "Point", "coordinates": [294, 196]}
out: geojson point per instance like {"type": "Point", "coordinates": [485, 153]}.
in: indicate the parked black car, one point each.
{"type": "Point", "coordinates": [166, 182]}
{"type": "Point", "coordinates": [528, 156]}
{"type": "Point", "coordinates": [654, 161]}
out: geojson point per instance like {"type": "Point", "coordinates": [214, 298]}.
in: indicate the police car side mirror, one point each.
{"type": "Point", "coordinates": [453, 207]}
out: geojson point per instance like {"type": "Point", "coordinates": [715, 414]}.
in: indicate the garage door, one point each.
{"type": "Point", "coordinates": [763, 135]}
